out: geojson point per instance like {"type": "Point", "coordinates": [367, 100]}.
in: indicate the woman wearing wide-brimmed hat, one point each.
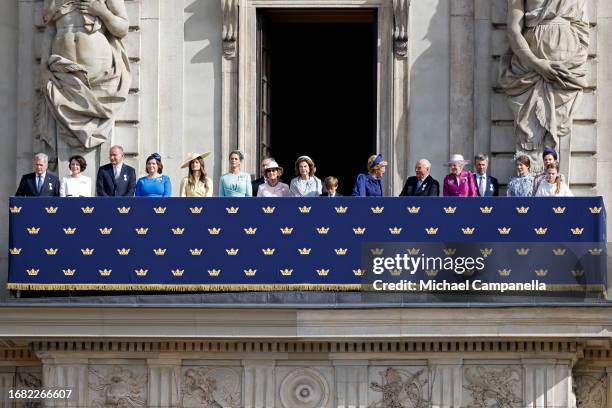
{"type": "Point", "coordinates": [370, 184]}
{"type": "Point", "coordinates": [273, 187]}
{"type": "Point", "coordinates": [459, 182]}
{"type": "Point", "coordinates": [197, 183]}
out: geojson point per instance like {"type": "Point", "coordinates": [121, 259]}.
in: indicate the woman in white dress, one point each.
{"type": "Point", "coordinates": [306, 184]}
{"type": "Point", "coordinates": [76, 185]}
{"type": "Point", "coordinates": [553, 186]}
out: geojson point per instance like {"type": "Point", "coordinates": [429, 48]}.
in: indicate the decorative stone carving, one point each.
{"type": "Point", "coordinates": [400, 389]}
{"type": "Point", "coordinates": [545, 72]}
{"type": "Point", "coordinates": [401, 12]}
{"type": "Point", "coordinates": [28, 380]}
{"type": "Point", "coordinates": [206, 387]}
{"type": "Point", "coordinates": [117, 387]}
{"type": "Point", "coordinates": [230, 27]}
{"type": "Point", "coordinates": [304, 388]}
{"type": "Point", "coordinates": [489, 387]}
{"type": "Point", "coordinates": [590, 390]}
{"type": "Point", "coordinates": [85, 71]}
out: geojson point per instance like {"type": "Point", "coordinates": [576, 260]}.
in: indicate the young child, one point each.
{"type": "Point", "coordinates": [331, 184]}
{"type": "Point", "coordinates": [552, 186]}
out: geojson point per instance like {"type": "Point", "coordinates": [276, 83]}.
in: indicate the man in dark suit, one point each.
{"type": "Point", "coordinates": [486, 186]}
{"type": "Point", "coordinates": [40, 183]}
{"type": "Point", "coordinates": [421, 184]}
{"type": "Point", "coordinates": [116, 179]}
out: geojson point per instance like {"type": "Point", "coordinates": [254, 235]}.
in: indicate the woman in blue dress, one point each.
{"type": "Point", "coordinates": [370, 184]}
{"type": "Point", "coordinates": [522, 184]}
{"type": "Point", "coordinates": [154, 184]}
{"type": "Point", "coordinates": [235, 183]}
{"type": "Point", "coordinates": [306, 184]}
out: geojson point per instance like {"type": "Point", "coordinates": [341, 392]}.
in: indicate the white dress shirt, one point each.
{"type": "Point", "coordinates": [75, 186]}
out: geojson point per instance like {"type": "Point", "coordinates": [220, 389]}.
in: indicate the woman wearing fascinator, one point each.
{"type": "Point", "coordinates": [197, 183]}
{"type": "Point", "coordinates": [154, 184]}
{"type": "Point", "coordinates": [370, 184]}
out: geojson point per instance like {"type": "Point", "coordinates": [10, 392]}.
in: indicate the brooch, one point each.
{"type": "Point", "coordinates": [50, 186]}
{"type": "Point", "coordinates": [125, 177]}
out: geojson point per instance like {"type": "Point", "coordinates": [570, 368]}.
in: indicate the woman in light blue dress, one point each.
{"type": "Point", "coordinates": [235, 183]}
{"type": "Point", "coordinates": [522, 184]}
{"type": "Point", "coordinates": [306, 184]}
{"type": "Point", "coordinates": [154, 184]}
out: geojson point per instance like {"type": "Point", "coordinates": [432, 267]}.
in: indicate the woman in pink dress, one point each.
{"type": "Point", "coordinates": [459, 183]}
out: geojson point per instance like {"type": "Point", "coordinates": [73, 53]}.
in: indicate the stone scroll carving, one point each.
{"type": "Point", "coordinates": [117, 387]}
{"type": "Point", "coordinates": [210, 387]}
{"type": "Point", "coordinates": [590, 390]}
{"type": "Point", "coordinates": [85, 71]}
{"type": "Point", "coordinates": [230, 27]}
{"type": "Point", "coordinates": [545, 72]}
{"type": "Point", "coordinates": [401, 13]}
{"type": "Point", "coordinates": [401, 389]}
{"type": "Point", "coordinates": [488, 387]}
{"type": "Point", "coordinates": [304, 388]}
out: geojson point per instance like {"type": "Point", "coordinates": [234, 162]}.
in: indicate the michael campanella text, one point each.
{"type": "Point", "coordinates": [467, 285]}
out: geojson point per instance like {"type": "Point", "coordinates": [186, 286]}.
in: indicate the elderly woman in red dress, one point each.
{"type": "Point", "coordinates": [459, 183]}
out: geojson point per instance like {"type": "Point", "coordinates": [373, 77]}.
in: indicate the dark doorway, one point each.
{"type": "Point", "coordinates": [318, 90]}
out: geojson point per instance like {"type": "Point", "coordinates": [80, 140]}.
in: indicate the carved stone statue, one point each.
{"type": "Point", "coordinates": [85, 70]}
{"type": "Point", "coordinates": [546, 71]}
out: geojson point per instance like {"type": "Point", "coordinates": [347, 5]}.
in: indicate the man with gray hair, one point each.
{"type": "Point", "coordinates": [116, 179]}
{"type": "Point", "coordinates": [40, 183]}
{"type": "Point", "coordinates": [422, 184]}
{"type": "Point", "coordinates": [486, 186]}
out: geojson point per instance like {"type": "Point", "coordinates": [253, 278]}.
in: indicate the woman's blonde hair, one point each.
{"type": "Point", "coordinates": [558, 179]}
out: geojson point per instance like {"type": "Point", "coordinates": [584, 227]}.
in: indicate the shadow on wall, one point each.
{"type": "Point", "coordinates": [203, 25]}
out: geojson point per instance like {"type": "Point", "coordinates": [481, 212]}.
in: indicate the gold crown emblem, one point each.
{"type": "Point", "coordinates": [450, 251]}
{"type": "Point", "coordinates": [395, 230]}
{"type": "Point", "coordinates": [178, 230]}
{"type": "Point", "coordinates": [105, 231]}
{"type": "Point", "coordinates": [159, 251]}
{"type": "Point", "coordinates": [559, 251]}
{"type": "Point", "coordinates": [522, 251]}
{"type": "Point", "coordinates": [250, 231]}
{"type": "Point", "coordinates": [577, 231]}
{"type": "Point", "coordinates": [304, 209]}
{"type": "Point", "coordinates": [450, 210]}
{"type": "Point", "coordinates": [105, 272]}
{"type": "Point", "coordinates": [51, 210]}
{"type": "Point", "coordinates": [413, 210]}
{"type": "Point", "coordinates": [214, 231]}
{"type": "Point", "coordinates": [431, 272]}
{"type": "Point", "coordinates": [33, 230]}
{"type": "Point", "coordinates": [87, 210]}
{"type": "Point", "coordinates": [522, 210]}
{"type": "Point", "coordinates": [250, 272]}
{"type": "Point", "coordinates": [268, 251]}
{"type": "Point", "coordinates": [341, 251]}
{"type": "Point", "coordinates": [468, 230]}
{"type": "Point", "coordinates": [177, 272]}
{"type": "Point", "coordinates": [214, 272]}
{"type": "Point", "coordinates": [15, 251]}
{"type": "Point", "coordinates": [141, 231]}
{"type": "Point", "coordinates": [486, 210]}
{"type": "Point", "coordinates": [268, 210]}
{"type": "Point", "coordinates": [159, 210]}
{"type": "Point", "coordinates": [595, 251]}
{"type": "Point", "coordinates": [123, 251]}
{"type": "Point", "coordinates": [559, 210]}
{"type": "Point", "coordinates": [593, 210]}
{"type": "Point", "coordinates": [51, 251]}
{"type": "Point", "coordinates": [322, 272]}
{"type": "Point", "coordinates": [377, 251]}
{"type": "Point", "coordinates": [232, 251]}
{"type": "Point", "coordinates": [69, 231]}
{"type": "Point", "coordinates": [413, 251]}
{"type": "Point", "coordinates": [287, 230]}
{"type": "Point", "coordinates": [322, 230]}
{"type": "Point", "coordinates": [123, 210]}
{"type": "Point", "coordinates": [359, 230]}
{"type": "Point", "coordinates": [196, 251]}
{"type": "Point", "coordinates": [232, 210]}
{"type": "Point", "coordinates": [15, 210]}
{"type": "Point", "coordinates": [377, 210]}
{"type": "Point", "coordinates": [431, 230]}
{"type": "Point", "coordinates": [286, 272]}
{"type": "Point", "coordinates": [540, 230]}
{"type": "Point", "coordinates": [196, 210]}
{"type": "Point", "coordinates": [304, 251]}
{"type": "Point", "coordinates": [341, 210]}
{"type": "Point", "coordinates": [504, 230]}
{"type": "Point", "coordinates": [358, 272]}
{"type": "Point", "coordinates": [32, 272]}
{"type": "Point", "coordinates": [541, 272]}
{"type": "Point", "coordinates": [504, 272]}
{"type": "Point", "coordinates": [578, 273]}
{"type": "Point", "coordinates": [69, 272]}
{"type": "Point", "coordinates": [141, 272]}
{"type": "Point", "coordinates": [395, 272]}
{"type": "Point", "coordinates": [486, 251]}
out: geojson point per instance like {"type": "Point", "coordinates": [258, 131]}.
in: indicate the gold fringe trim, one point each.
{"type": "Point", "coordinates": [185, 288]}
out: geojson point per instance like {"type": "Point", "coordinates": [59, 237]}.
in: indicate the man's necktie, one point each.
{"type": "Point", "coordinates": [419, 184]}
{"type": "Point", "coordinates": [39, 184]}
{"type": "Point", "coordinates": [482, 184]}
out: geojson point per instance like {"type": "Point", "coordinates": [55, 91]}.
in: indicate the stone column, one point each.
{"type": "Point", "coordinates": [547, 383]}
{"type": "Point", "coordinates": [446, 383]}
{"type": "Point", "coordinates": [65, 373]}
{"type": "Point", "coordinates": [351, 383]}
{"type": "Point", "coordinates": [7, 382]}
{"type": "Point", "coordinates": [229, 78]}
{"type": "Point", "coordinates": [164, 382]}
{"type": "Point", "coordinates": [259, 379]}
